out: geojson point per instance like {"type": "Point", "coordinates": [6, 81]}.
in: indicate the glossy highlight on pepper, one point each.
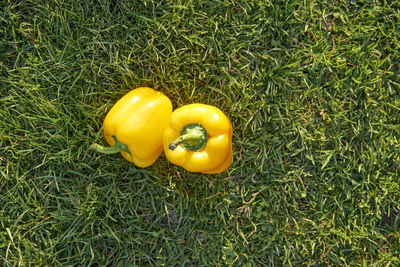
{"type": "Point", "coordinates": [199, 139]}
{"type": "Point", "coordinates": [134, 126]}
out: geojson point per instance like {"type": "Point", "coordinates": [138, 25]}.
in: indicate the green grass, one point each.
{"type": "Point", "coordinates": [312, 89]}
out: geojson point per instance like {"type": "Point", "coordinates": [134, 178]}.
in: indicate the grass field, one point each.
{"type": "Point", "coordinates": [313, 92]}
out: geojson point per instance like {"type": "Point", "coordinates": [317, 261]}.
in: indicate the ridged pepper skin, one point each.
{"type": "Point", "coordinates": [216, 154]}
{"type": "Point", "coordinates": [138, 120]}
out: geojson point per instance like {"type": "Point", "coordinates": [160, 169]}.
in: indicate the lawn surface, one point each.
{"type": "Point", "coordinates": [313, 92]}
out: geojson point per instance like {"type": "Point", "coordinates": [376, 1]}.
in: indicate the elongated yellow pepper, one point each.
{"type": "Point", "coordinates": [199, 139]}
{"type": "Point", "coordinates": [135, 124]}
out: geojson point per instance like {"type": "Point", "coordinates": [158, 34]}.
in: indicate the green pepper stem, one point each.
{"type": "Point", "coordinates": [193, 137]}
{"type": "Point", "coordinates": [118, 147]}
{"type": "Point", "coordinates": [186, 138]}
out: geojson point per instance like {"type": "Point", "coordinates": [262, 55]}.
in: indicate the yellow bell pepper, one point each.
{"type": "Point", "coordinates": [134, 126]}
{"type": "Point", "coordinates": [199, 139]}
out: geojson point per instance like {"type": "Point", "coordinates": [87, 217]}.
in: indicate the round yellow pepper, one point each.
{"type": "Point", "coordinates": [135, 124]}
{"type": "Point", "coordinates": [199, 139]}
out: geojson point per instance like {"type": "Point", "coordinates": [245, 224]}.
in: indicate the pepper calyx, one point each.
{"type": "Point", "coordinates": [193, 137]}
